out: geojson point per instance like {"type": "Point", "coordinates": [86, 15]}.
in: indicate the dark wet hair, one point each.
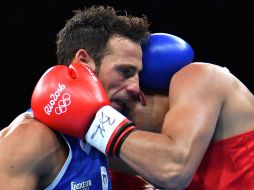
{"type": "Point", "coordinates": [91, 29]}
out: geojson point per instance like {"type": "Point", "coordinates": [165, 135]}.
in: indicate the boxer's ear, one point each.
{"type": "Point", "coordinates": [82, 56]}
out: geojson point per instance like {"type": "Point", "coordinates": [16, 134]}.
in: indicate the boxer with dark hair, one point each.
{"type": "Point", "coordinates": [96, 43]}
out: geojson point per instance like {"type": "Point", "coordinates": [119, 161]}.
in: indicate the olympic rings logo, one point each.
{"type": "Point", "coordinates": [62, 104]}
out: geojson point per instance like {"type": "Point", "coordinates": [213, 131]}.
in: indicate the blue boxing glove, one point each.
{"type": "Point", "coordinates": [163, 55]}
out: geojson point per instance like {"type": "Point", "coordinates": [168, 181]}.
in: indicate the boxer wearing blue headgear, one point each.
{"type": "Point", "coordinates": [163, 55]}
{"type": "Point", "coordinates": [196, 130]}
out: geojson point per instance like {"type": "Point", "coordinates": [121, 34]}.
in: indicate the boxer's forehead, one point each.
{"type": "Point", "coordinates": [123, 51]}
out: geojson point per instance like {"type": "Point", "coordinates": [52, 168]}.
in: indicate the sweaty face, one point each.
{"type": "Point", "coordinates": [119, 72]}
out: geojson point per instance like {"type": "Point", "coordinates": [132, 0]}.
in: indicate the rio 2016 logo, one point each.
{"type": "Point", "coordinates": [62, 104]}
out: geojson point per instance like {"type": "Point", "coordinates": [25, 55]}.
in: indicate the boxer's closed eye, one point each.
{"type": "Point", "coordinates": [126, 71]}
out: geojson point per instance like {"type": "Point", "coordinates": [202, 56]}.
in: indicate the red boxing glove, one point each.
{"type": "Point", "coordinates": [72, 100]}
{"type": "Point", "coordinates": [67, 98]}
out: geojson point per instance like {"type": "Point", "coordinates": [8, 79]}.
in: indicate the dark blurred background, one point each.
{"type": "Point", "coordinates": [220, 32]}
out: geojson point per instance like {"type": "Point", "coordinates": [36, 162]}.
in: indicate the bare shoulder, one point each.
{"type": "Point", "coordinates": [27, 143]}
{"type": "Point", "coordinates": [198, 82]}
{"type": "Point", "coordinates": [204, 70]}
{"type": "Point", "coordinates": [201, 74]}
{"type": "Point", "coordinates": [24, 129]}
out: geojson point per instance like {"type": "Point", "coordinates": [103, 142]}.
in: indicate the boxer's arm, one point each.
{"type": "Point", "coordinates": [22, 154]}
{"type": "Point", "coordinates": [170, 159]}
